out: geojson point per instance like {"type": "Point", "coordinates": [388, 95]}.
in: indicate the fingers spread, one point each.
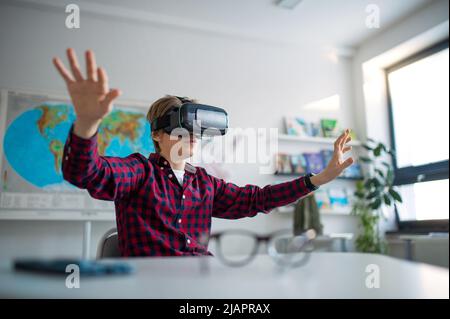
{"type": "Point", "coordinates": [349, 161]}
{"type": "Point", "coordinates": [346, 149]}
{"type": "Point", "coordinates": [74, 65]}
{"type": "Point", "coordinates": [102, 79]}
{"type": "Point", "coordinates": [348, 139]}
{"type": "Point", "coordinates": [345, 137]}
{"type": "Point", "coordinates": [338, 142]}
{"type": "Point", "coordinates": [111, 96]}
{"type": "Point", "coordinates": [62, 70]}
{"type": "Point", "coordinates": [91, 66]}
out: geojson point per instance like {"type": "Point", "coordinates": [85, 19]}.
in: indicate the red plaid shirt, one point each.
{"type": "Point", "coordinates": [155, 215]}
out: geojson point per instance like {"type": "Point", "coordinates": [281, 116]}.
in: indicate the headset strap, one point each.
{"type": "Point", "coordinates": [183, 99]}
{"type": "Point", "coordinates": [161, 122]}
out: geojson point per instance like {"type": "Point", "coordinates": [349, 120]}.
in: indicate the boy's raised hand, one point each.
{"type": "Point", "coordinates": [337, 164]}
{"type": "Point", "coordinates": [90, 95]}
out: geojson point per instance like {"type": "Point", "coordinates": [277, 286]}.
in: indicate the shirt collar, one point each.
{"type": "Point", "coordinates": [161, 161]}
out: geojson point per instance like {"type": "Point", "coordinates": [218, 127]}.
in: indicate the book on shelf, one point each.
{"type": "Point", "coordinates": [283, 164]}
{"type": "Point", "coordinates": [338, 197]}
{"type": "Point", "coordinates": [325, 127]}
{"type": "Point", "coordinates": [297, 126]}
{"type": "Point", "coordinates": [330, 199]}
{"type": "Point", "coordinates": [353, 171]}
{"type": "Point", "coordinates": [298, 164]}
{"type": "Point", "coordinates": [327, 155]}
{"type": "Point", "coordinates": [314, 162]}
{"type": "Point", "coordinates": [322, 198]}
{"type": "Point", "coordinates": [314, 129]}
{"type": "Point", "coordinates": [329, 127]}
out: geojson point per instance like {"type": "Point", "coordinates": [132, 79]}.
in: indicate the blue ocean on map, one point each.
{"type": "Point", "coordinates": [34, 140]}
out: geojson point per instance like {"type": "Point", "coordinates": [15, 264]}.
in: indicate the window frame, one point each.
{"type": "Point", "coordinates": [416, 174]}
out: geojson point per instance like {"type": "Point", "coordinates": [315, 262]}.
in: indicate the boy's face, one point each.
{"type": "Point", "coordinates": [178, 147]}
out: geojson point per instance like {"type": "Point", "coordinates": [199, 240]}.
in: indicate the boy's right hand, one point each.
{"type": "Point", "coordinates": [91, 96]}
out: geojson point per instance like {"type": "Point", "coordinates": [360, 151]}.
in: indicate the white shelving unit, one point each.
{"type": "Point", "coordinates": [323, 212]}
{"type": "Point", "coordinates": [313, 140]}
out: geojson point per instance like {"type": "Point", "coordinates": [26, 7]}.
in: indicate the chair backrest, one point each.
{"type": "Point", "coordinates": [108, 247]}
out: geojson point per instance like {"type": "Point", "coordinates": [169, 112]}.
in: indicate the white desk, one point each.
{"type": "Point", "coordinates": [327, 275]}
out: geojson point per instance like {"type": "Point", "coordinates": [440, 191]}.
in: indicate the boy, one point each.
{"type": "Point", "coordinates": [163, 204]}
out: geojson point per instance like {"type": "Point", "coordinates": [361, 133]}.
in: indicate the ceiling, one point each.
{"type": "Point", "coordinates": [331, 23]}
{"type": "Point", "coordinates": [326, 22]}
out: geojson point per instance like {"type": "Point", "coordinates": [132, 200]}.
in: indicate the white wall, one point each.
{"type": "Point", "coordinates": [256, 82]}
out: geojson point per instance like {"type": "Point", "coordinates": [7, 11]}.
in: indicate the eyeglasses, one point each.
{"type": "Point", "coordinates": [238, 248]}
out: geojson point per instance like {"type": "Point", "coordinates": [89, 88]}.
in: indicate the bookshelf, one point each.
{"type": "Point", "coordinates": [316, 141]}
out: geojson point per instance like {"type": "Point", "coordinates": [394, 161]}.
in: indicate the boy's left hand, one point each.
{"type": "Point", "coordinates": [337, 163]}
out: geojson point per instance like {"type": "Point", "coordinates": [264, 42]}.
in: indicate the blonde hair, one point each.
{"type": "Point", "coordinates": [160, 107]}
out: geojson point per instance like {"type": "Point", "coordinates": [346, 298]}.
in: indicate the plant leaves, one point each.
{"type": "Point", "coordinates": [376, 204]}
{"type": "Point", "coordinates": [380, 172]}
{"type": "Point", "coordinates": [386, 164]}
{"type": "Point", "coordinates": [376, 182]}
{"type": "Point", "coordinates": [373, 194]}
{"type": "Point", "coordinates": [360, 186]}
{"type": "Point", "coordinates": [377, 150]}
{"type": "Point", "coordinates": [387, 200]}
{"type": "Point", "coordinates": [365, 159]}
{"type": "Point", "coordinates": [359, 194]}
{"type": "Point", "coordinates": [396, 196]}
{"type": "Point", "coordinates": [390, 176]}
{"type": "Point", "coordinates": [391, 152]}
{"type": "Point", "coordinates": [372, 182]}
{"type": "Point", "coordinates": [367, 147]}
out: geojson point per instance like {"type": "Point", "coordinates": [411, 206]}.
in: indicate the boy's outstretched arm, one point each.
{"type": "Point", "coordinates": [232, 201]}
{"type": "Point", "coordinates": [106, 178]}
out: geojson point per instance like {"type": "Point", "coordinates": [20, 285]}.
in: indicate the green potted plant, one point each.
{"type": "Point", "coordinates": [373, 192]}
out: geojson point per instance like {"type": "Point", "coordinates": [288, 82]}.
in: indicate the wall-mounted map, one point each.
{"type": "Point", "coordinates": [34, 129]}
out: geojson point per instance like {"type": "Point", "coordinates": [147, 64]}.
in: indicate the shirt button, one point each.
{"type": "Point", "coordinates": [184, 196]}
{"type": "Point", "coordinates": [165, 162]}
{"type": "Point", "coordinates": [188, 241]}
{"type": "Point", "coordinates": [179, 221]}
{"type": "Point", "coordinates": [162, 167]}
{"type": "Point", "coordinates": [67, 157]}
{"type": "Point", "coordinates": [170, 175]}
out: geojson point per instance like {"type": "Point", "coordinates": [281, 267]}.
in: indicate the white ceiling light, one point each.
{"type": "Point", "coordinates": [288, 4]}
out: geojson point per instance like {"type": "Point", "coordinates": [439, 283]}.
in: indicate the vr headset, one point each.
{"type": "Point", "coordinates": [198, 119]}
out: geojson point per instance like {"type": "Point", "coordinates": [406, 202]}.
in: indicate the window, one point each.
{"type": "Point", "coordinates": [418, 97]}
{"type": "Point", "coordinates": [424, 201]}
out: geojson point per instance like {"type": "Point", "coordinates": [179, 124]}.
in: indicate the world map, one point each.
{"type": "Point", "coordinates": [34, 141]}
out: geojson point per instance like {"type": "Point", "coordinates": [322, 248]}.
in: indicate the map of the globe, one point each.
{"type": "Point", "coordinates": [34, 141]}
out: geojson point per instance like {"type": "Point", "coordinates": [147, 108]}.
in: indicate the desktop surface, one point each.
{"type": "Point", "coordinates": [326, 275]}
